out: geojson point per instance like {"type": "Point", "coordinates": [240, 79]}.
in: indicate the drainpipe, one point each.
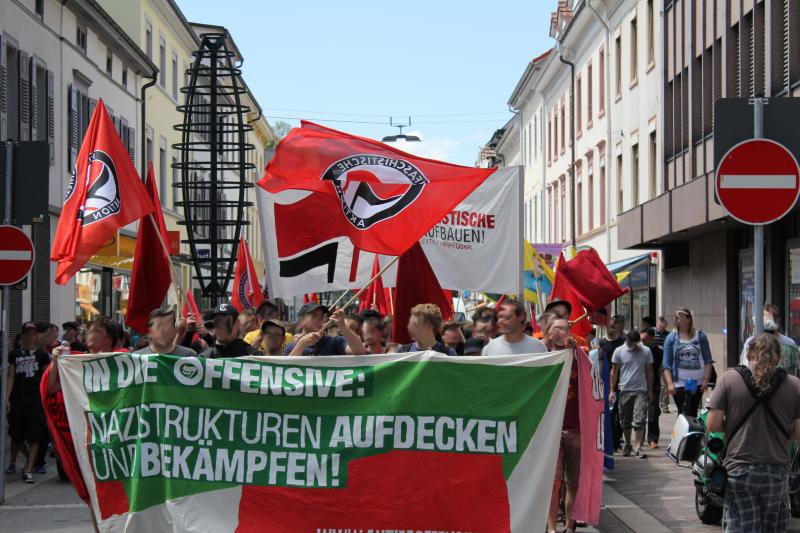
{"type": "Point", "coordinates": [572, 186]}
{"type": "Point", "coordinates": [607, 67]}
{"type": "Point", "coordinates": [146, 86]}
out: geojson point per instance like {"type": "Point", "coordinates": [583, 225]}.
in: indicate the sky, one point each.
{"type": "Point", "coordinates": [351, 65]}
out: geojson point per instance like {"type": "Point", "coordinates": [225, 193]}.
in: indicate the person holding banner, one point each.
{"type": "Point", "coordinates": [314, 342]}
{"type": "Point", "coordinates": [423, 327]}
{"type": "Point", "coordinates": [226, 335]}
{"type": "Point", "coordinates": [164, 335]}
{"type": "Point", "coordinates": [511, 319]}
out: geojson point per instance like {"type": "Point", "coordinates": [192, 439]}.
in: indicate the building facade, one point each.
{"type": "Point", "coordinates": [711, 50]}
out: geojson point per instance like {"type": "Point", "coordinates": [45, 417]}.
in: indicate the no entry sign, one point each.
{"type": "Point", "coordinates": [758, 181]}
{"type": "Point", "coordinates": [16, 255]}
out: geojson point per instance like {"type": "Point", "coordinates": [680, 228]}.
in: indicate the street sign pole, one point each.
{"type": "Point", "coordinates": [9, 148]}
{"type": "Point", "coordinates": [758, 229]}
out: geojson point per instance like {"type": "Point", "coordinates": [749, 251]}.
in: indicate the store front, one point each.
{"type": "Point", "coordinates": [639, 276]}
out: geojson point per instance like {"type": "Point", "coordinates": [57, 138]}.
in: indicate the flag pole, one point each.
{"type": "Point", "coordinates": [361, 290]}
{"type": "Point", "coordinates": [178, 286]}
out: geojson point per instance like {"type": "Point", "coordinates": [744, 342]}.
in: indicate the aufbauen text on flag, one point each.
{"type": "Point", "coordinates": [103, 195]}
{"type": "Point", "coordinates": [386, 198]}
{"type": "Point", "coordinates": [417, 441]}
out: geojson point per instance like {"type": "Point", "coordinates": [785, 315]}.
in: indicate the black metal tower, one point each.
{"type": "Point", "coordinates": [213, 164]}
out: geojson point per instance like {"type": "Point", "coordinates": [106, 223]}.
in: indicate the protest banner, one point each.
{"type": "Point", "coordinates": [416, 441]}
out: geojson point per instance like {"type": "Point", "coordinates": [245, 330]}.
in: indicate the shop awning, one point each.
{"type": "Point", "coordinates": [627, 264]}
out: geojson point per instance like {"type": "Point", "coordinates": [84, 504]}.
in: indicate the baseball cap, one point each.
{"type": "Point", "coordinates": [473, 346]}
{"type": "Point", "coordinates": [28, 325]}
{"type": "Point", "coordinates": [274, 323]}
{"type": "Point", "coordinates": [70, 324]}
{"type": "Point", "coordinates": [225, 309]}
{"type": "Point", "coordinates": [555, 303]}
{"type": "Point", "coordinates": [310, 307]}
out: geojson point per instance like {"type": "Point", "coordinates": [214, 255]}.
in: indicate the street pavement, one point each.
{"type": "Point", "coordinates": [650, 495]}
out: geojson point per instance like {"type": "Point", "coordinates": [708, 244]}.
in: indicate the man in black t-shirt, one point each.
{"type": "Point", "coordinates": [71, 333]}
{"type": "Point", "coordinates": [23, 399]}
{"type": "Point", "coordinates": [226, 335]}
{"type": "Point", "coordinates": [615, 337]}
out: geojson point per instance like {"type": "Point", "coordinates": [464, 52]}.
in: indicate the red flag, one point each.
{"type": "Point", "coordinates": [152, 273]}
{"type": "Point", "coordinates": [375, 294]}
{"type": "Point", "coordinates": [594, 286]}
{"type": "Point", "coordinates": [246, 289]}
{"type": "Point", "coordinates": [416, 284]}
{"type": "Point", "coordinates": [562, 290]}
{"type": "Point", "coordinates": [311, 297]}
{"type": "Point", "coordinates": [190, 306]}
{"type": "Point", "coordinates": [387, 197]}
{"type": "Point", "coordinates": [103, 195]}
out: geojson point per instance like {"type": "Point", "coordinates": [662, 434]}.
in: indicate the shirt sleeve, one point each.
{"type": "Point", "coordinates": [341, 346]}
{"type": "Point", "coordinates": [719, 398]}
{"type": "Point", "coordinates": [615, 358]}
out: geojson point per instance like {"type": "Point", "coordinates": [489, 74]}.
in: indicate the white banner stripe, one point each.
{"type": "Point", "coordinates": [758, 181]}
{"type": "Point", "coordinates": [15, 255]}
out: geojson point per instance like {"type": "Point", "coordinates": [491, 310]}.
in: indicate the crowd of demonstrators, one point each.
{"type": "Point", "coordinates": [632, 375]}
{"type": "Point", "coordinates": [312, 340]}
{"type": "Point", "coordinates": [757, 408]}
{"type": "Point", "coordinates": [687, 363]}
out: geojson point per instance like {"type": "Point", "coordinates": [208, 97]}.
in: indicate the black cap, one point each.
{"type": "Point", "coordinates": [310, 307]}
{"type": "Point", "coordinates": [369, 313]}
{"type": "Point", "coordinates": [225, 309]}
{"type": "Point", "coordinates": [473, 346]}
{"type": "Point", "coordinates": [555, 303]}
{"type": "Point", "coordinates": [28, 326]}
{"type": "Point", "coordinates": [274, 323]}
{"type": "Point", "coordinates": [70, 324]}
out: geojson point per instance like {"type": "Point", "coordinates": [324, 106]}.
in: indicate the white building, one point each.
{"type": "Point", "coordinates": [614, 46]}
{"type": "Point", "coordinates": [56, 60]}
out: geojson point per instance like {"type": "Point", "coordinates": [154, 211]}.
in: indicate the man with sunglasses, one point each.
{"type": "Point", "coordinates": [226, 335]}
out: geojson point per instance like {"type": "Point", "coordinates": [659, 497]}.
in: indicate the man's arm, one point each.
{"type": "Point", "coordinates": [649, 382]}
{"type": "Point", "coordinates": [614, 372]}
{"type": "Point", "coordinates": [9, 385]}
{"type": "Point", "coordinates": [715, 423]}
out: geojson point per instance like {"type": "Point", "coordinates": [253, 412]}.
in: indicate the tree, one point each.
{"type": "Point", "coordinates": [281, 129]}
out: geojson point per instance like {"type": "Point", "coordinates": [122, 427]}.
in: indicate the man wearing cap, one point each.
{"type": "Point", "coordinates": [271, 337]}
{"type": "Point", "coordinates": [266, 311]}
{"type": "Point", "coordinates": [71, 331]}
{"type": "Point", "coordinates": [164, 336]}
{"type": "Point", "coordinates": [562, 309]}
{"type": "Point", "coordinates": [26, 366]}
{"type": "Point", "coordinates": [314, 342]}
{"type": "Point", "coordinates": [226, 336]}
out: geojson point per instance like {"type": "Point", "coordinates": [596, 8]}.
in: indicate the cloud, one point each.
{"type": "Point", "coordinates": [441, 148]}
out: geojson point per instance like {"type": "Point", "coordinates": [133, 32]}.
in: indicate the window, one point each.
{"type": "Point", "coordinates": [651, 42]}
{"type": "Point", "coordinates": [536, 136]}
{"type": "Point", "coordinates": [162, 171]}
{"type": "Point", "coordinates": [563, 108]}
{"type": "Point", "coordinates": [589, 79]}
{"type": "Point", "coordinates": [602, 191]}
{"type": "Point", "coordinates": [162, 62]}
{"type": "Point", "coordinates": [634, 50]}
{"type": "Point", "coordinates": [579, 198]}
{"type": "Point", "coordinates": [590, 190]}
{"type": "Point", "coordinates": [620, 196]}
{"type": "Point", "coordinates": [80, 38]}
{"type": "Point", "coordinates": [148, 39]}
{"type": "Point", "coordinates": [174, 76]}
{"type": "Point", "coordinates": [635, 175]}
{"type": "Point", "coordinates": [578, 105]}
{"type": "Point", "coordinates": [40, 8]}
{"type": "Point", "coordinates": [530, 143]}
{"type": "Point", "coordinates": [549, 140]}
{"type": "Point", "coordinates": [148, 149]}
{"type": "Point", "coordinates": [175, 171]}
{"type": "Point", "coordinates": [601, 81]}
{"type": "Point", "coordinates": [652, 164]}
{"type": "Point", "coordinates": [618, 66]}
{"type": "Point", "coordinates": [562, 226]}
{"type": "Point", "coordinates": [109, 62]}
{"type": "Point", "coordinates": [125, 76]}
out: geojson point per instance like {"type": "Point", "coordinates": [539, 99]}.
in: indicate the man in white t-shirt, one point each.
{"type": "Point", "coordinates": [511, 319]}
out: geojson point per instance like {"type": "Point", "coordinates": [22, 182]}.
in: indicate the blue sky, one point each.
{"type": "Point", "coordinates": [449, 64]}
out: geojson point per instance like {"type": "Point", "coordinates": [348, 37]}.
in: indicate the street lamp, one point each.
{"type": "Point", "coordinates": [401, 135]}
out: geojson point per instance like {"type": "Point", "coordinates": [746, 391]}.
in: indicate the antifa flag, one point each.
{"type": "Point", "coordinates": [152, 273]}
{"type": "Point", "coordinates": [103, 195]}
{"type": "Point", "coordinates": [384, 198]}
{"type": "Point", "coordinates": [246, 290]}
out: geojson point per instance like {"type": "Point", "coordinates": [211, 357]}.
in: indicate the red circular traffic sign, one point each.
{"type": "Point", "coordinates": [16, 255]}
{"type": "Point", "coordinates": [758, 181]}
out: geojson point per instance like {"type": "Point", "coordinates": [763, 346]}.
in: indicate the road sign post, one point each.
{"type": "Point", "coordinates": [758, 230]}
{"type": "Point", "coordinates": [9, 148]}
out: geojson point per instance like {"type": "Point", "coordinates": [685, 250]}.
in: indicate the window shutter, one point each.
{"type": "Point", "coordinates": [74, 125]}
{"type": "Point", "coordinates": [3, 91]}
{"type": "Point", "coordinates": [787, 84]}
{"type": "Point", "coordinates": [34, 101]}
{"type": "Point", "coordinates": [92, 105]}
{"type": "Point", "coordinates": [51, 116]}
{"type": "Point", "coordinates": [24, 97]}
{"type": "Point", "coordinates": [132, 144]}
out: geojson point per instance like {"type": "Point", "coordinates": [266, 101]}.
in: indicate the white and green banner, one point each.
{"type": "Point", "coordinates": [401, 442]}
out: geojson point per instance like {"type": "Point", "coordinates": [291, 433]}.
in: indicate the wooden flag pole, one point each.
{"type": "Point", "coordinates": [361, 290]}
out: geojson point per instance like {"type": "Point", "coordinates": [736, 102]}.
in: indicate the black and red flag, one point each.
{"type": "Point", "coordinates": [152, 272]}
{"type": "Point", "coordinates": [246, 290]}
{"type": "Point", "coordinates": [103, 195]}
{"type": "Point", "coordinates": [386, 199]}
